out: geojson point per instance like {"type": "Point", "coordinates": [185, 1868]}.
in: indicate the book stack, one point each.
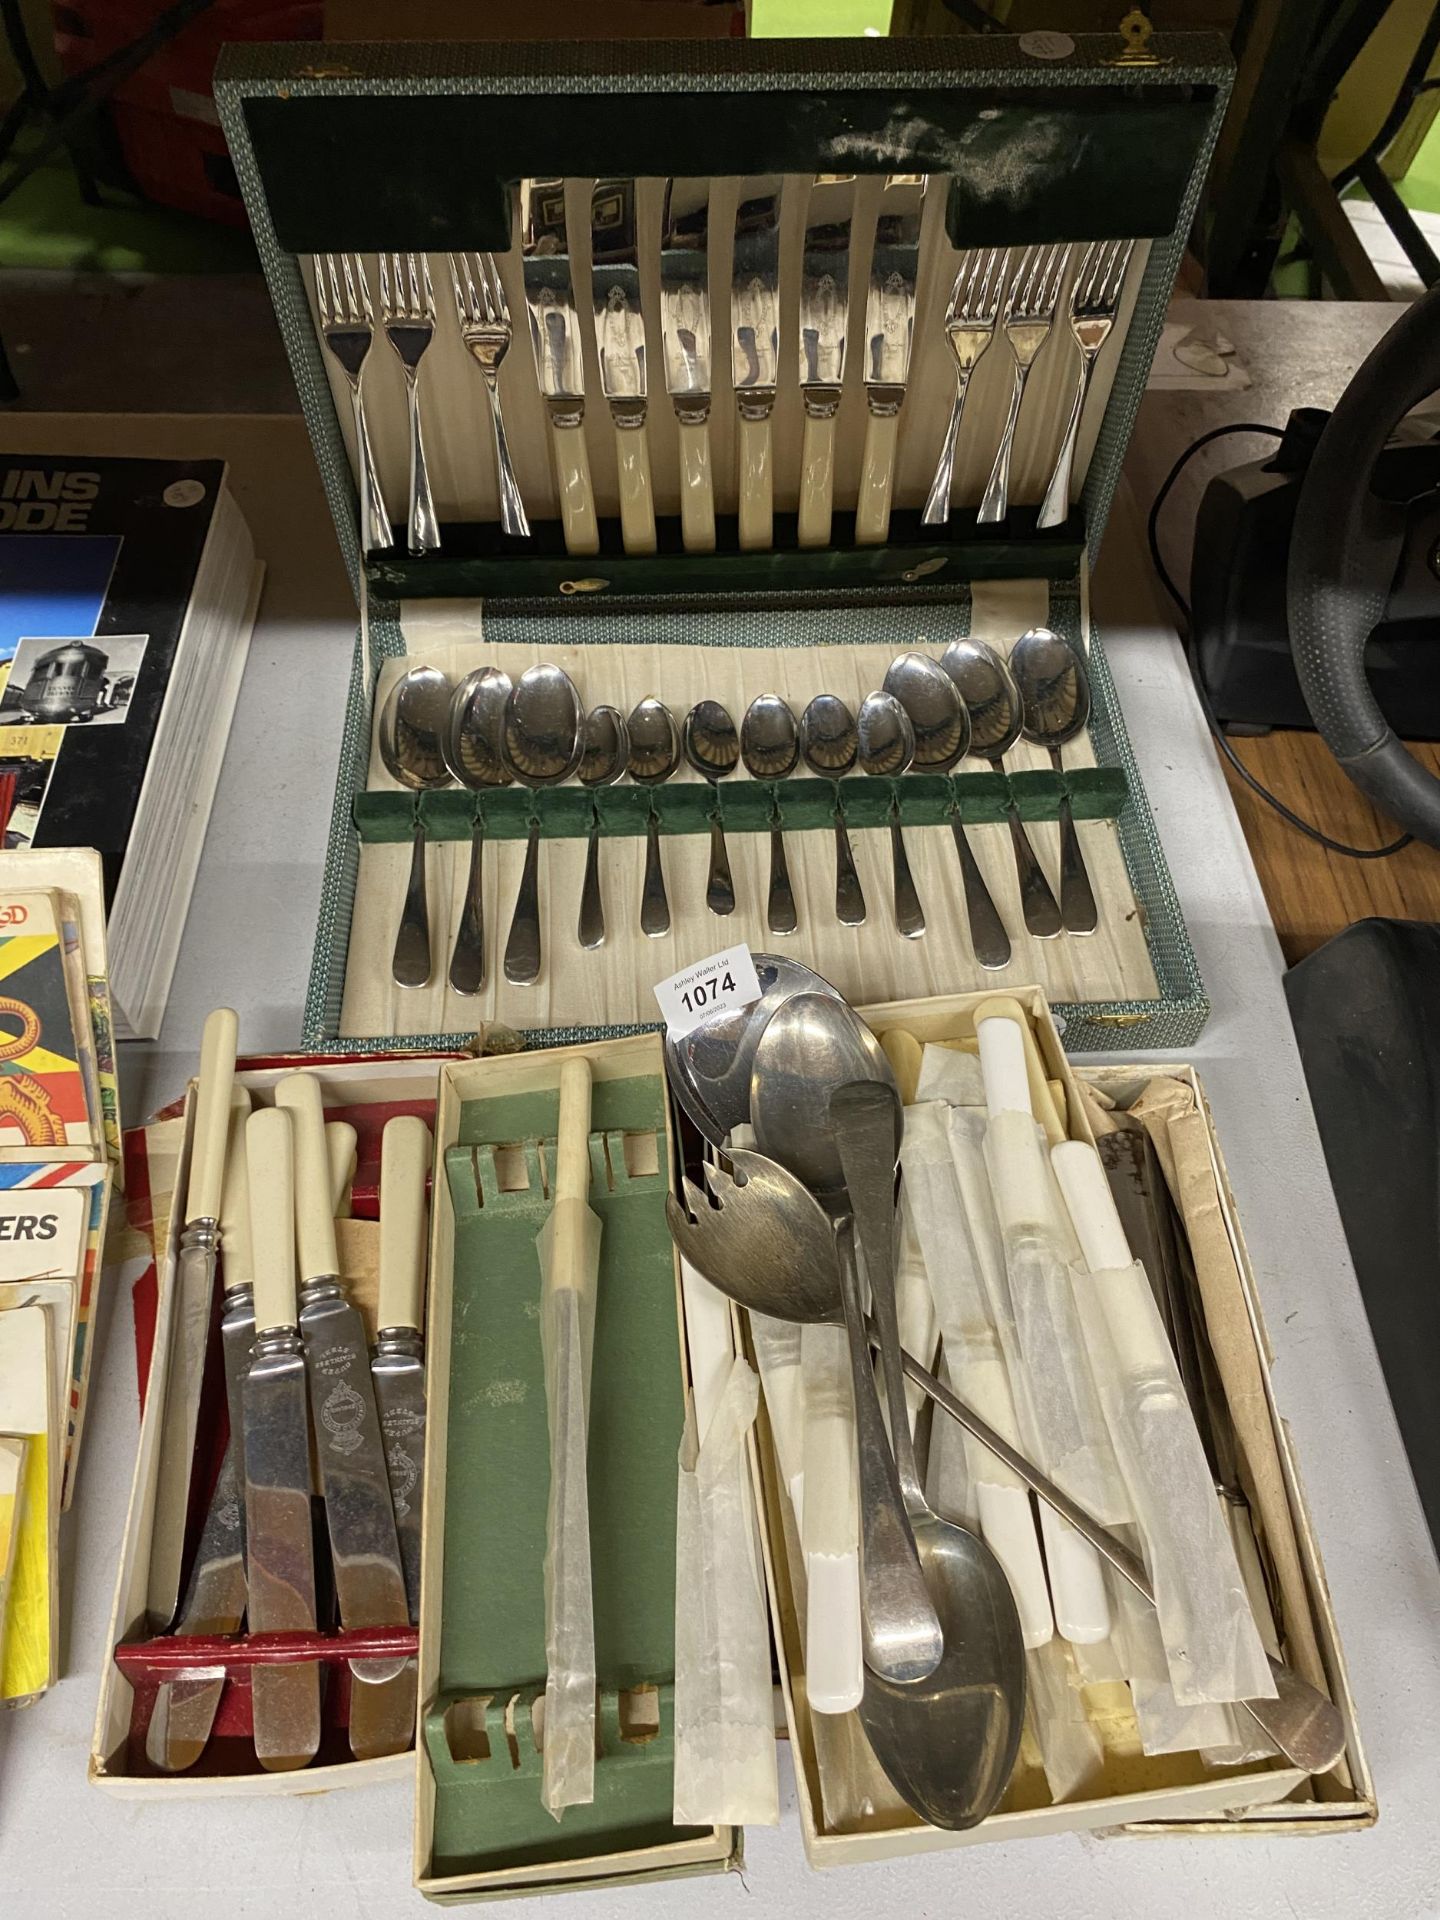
{"type": "Point", "coordinates": [59, 1147]}
{"type": "Point", "coordinates": [127, 598]}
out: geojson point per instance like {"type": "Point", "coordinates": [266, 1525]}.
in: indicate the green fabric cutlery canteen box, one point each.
{"type": "Point", "coordinates": [370, 150]}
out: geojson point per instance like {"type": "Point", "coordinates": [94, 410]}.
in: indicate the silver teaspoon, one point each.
{"type": "Point", "coordinates": [1055, 702]}
{"type": "Point", "coordinates": [541, 741]}
{"type": "Point", "coordinates": [712, 748]}
{"type": "Point", "coordinates": [988, 689]}
{"type": "Point", "coordinates": [603, 760]}
{"type": "Point", "coordinates": [654, 756]}
{"type": "Point", "coordinates": [830, 742]}
{"type": "Point", "coordinates": [887, 746]}
{"type": "Point", "coordinates": [472, 753]}
{"type": "Point", "coordinates": [412, 733]}
{"type": "Point", "coordinates": [770, 746]}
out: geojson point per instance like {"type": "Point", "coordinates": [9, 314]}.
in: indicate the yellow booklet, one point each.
{"type": "Point", "coordinates": [27, 1412]}
{"type": "Point", "coordinates": [14, 1451]}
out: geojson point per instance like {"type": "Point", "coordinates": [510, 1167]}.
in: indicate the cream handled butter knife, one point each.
{"type": "Point", "coordinates": [755, 350]}
{"type": "Point", "coordinates": [889, 332]}
{"type": "Point", "coordinates": [555, 338]}
{"type": "Point", "coordinates": [399, 1362]}
{"type": "Point", "coordinates": [280, 1562]}
{"type": "Point", "coordinates": [364, 1550]}
{"type": "Point", "coordinates": [194, 1288]}
{"type": "Point", "coordinates": [824, 315]}
{"type": "Point", "coordinates": [685, 317]}
{"type": "Point", "coordinates": [620, 345]}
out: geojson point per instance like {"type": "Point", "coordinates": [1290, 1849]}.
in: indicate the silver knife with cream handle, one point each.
{"type": "Point", "coordinates": [280, 1559]}
{"type": "Point", "coordinates": [755, 351]}
{"type": "Point", "coordinates": [185, 1705]}
{"type": "Point", "coordinates": [889, 333]}
{"type": "Point", "coordinates": [824, 317]}
{"type": "Point", "coordinates": [399, 1362]}
{"type": "Point", "coordinates": [190, 1308]}
{"type": "Point", "coordinates": [555, 338]}
{"type": "Point", "coordinates": [685, 339]}
{"type": "Point", "coordinates": [620, 345]}
{"type": "Point", "coordinates": [364, 1550]}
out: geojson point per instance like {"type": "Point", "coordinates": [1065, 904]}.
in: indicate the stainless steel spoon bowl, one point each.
{"type": "Point", "coordinates": [830, 743]}
{"type": "Point", "coordinates": [811, 1044]}
{"type": "Point", "coordinates": [472, 753]}
{"type": "Point", "coordinates": [604, 756]}
{"type": "Point", "coordinates": [934, 708]}
{"type": "Point", "coordinates": [987, 686]}
{"type": "Point", "coordinates": [712, 747]}
{"type": "Point", "coordinates": [412, 746]}
{"type": "Point", "coordinates": [770, 747]}
{"type": "Point", "coordinates": [541, 740]}
{"type": "Point", "coordinates": [1055, 701]}
{"type": "Point", "coordinates": [654, 756]}
{"type": "Point", "coordinates": [709, 1067]}
{"type": "Point", "coordinates": [887, 746]}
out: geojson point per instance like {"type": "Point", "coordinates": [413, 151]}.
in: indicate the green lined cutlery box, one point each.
{"type": "Point", "coordinates": [385, 165]}
{"type": "Point", "coordinates": [480, 1827]}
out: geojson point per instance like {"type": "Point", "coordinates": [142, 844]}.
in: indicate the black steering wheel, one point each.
{"type": "Point", "coordinates": [1343, 557]}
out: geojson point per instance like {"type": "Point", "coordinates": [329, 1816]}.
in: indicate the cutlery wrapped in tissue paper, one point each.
{"type": "Point", "coordinates": [724, 1717]}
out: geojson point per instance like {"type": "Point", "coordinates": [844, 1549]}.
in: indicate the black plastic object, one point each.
{"type": "Point", "coordinates": [1366, 1009]}
{"type": "Point", "coordinates": [1238, 587]}
{"type": "Point", "coordinates": [1344, 552]}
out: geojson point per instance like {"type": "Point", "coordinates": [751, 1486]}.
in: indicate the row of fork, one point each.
{"type": "Point", "coordinates": [1014, 291]}
{"type": "Point", "coordinates": [407, 319]}
{"type": "Point", "coordinates": [1017, 292]}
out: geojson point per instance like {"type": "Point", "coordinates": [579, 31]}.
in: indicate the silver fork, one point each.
{"type": "Point", "coordinates": [1029, 315]}
{"type": "Point", "coordinates": [407, 313]}
{"type": "Point", "coordinates": [970, 327]}
{"type": "Point", "coordinates": [347, 326]}
{"type": "Point", "coordinates": [485, 330]}
{"type": "Point", "coordinates": [1094, 302]}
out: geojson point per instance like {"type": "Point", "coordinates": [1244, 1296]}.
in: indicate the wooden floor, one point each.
{"type": "Point", "coordinates": [1311, 892]}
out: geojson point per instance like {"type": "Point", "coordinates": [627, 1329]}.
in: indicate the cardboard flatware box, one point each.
{"type": "Point", "coordinates": [374, 149]}
{"type": "Point", "coordinates": [367, 1092]}
{"type": "Point", "coordinates": [480, 1828]}
{"type": "Point", "coordinates": [1135, 1794]}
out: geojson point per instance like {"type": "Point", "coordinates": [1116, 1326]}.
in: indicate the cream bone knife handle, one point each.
{"type": "Point", "coordinates": [877, 476]}
{"type": "Point", "coordinates": [697, 492]}
{"type": "Point", "coordinates": [212, 1115]}
{"type": "Point", "coordinates": [817, 472]}
{"type": "Point", "coordinates": [637, 495]}
{"type": "Point", "coordinates": [270, 1153]}
{"type": "Point", "coordinates": [572, 479]}
{"type": "Point", "coordinates": [299, 1095]}
{"type": "Point", "coordinates": [572, 1172]}
{"type": "Point", "coordinates": [340, 1138]}
{"type": "Point", "coordinates": [756, 479]}
{"type": "Point", "coordinates": [405, 1149]}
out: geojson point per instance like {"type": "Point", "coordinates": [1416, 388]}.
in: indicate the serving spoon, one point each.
{"type": "Point", "coordinates": [811, 1046]}
{"type": "Point", "coordinates": [1055, 707]}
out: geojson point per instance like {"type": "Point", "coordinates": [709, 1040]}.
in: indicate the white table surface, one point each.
{"type": "Point", "coordinates": [67, 1850]}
